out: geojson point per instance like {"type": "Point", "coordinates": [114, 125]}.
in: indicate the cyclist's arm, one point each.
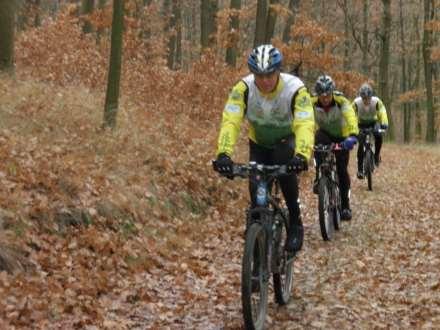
{"type": "Point", "coordinates": [356, 110]}
{"type": "Point", "coordinates": [350, 126]}
{"type": "Point", "coordinates": [382, 113]}
{"type": "Point", "coordinates": [233, 114]}
{"type": "Point", "coordinates": [303, 125]}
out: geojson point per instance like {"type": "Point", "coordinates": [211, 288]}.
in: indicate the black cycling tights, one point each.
{"type": "Point", "coordinates": [280, 155]}
{"type": "Point", "coordinates": [342, 158]}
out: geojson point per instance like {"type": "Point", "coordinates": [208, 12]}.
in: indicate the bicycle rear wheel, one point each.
{"type": "Point", "coordinates": [369, 166]}
{"type": "Point", "coordinates": [254, 278]}
{"type": "Point", "coordinates": [283, 270]}
{"type": "Point", "coordinates": [324, 209]}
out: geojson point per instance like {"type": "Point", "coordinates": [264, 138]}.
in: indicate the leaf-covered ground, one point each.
{"type": "Point", "coordinates": [133, 230]}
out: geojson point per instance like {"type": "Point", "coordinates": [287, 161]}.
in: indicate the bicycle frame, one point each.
{"type": "Point", "coordinates": [263, 248]}
{"type": "Point", "coordinates": [266, 215]}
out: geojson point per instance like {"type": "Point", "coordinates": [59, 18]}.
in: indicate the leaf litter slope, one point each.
{"type": "Point", "coordinates": [171, 256]}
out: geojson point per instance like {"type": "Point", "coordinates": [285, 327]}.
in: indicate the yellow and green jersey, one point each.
{"type": "Point", "coordinates": [284, 112]}
{"type": "Point", "coordinates": [339, 119]}
{"type": "Point", "coordinates": [369, 114]}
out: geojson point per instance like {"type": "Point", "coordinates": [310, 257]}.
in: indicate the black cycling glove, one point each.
{"type": "Point", "coordinates": [223, 164]}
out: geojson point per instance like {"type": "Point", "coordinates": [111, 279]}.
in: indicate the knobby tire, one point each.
{"type": "Point", "coordinates": [325, 213]}
{"type": "Point", "coordinates": [369, 159]}
{"type": "Point", "coordinates": [255, 246]}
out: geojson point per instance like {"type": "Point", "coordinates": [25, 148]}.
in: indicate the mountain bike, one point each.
{"type": "Point", "coordinates": [264, 254]}
{"type": "Point", "coordinates": [368, 165]}
{"type": "Point", "coordinates": [329, 199]}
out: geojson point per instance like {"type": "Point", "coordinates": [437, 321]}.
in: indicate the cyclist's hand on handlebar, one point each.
{"type": "Point", "coordinates": [297, 163]}
{"type": "Point", "coordinates": [224, 165]}
{"type": "Point", "coordinates": [349, 143]}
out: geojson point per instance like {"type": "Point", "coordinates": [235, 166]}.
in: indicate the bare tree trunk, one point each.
{"type": "Point", "coordinates": [270, 21]}
{"type": "Point", "coordinates": [37, 18]}
{"type": "Point", "coordinates": [175, 40]}
{"type": "Point", "coordinates": [209, 10]}
{"type": "Point", "coordinates": [365, 38]}
{"type": "Point", "coordinates": [87, 7]}
{"type": "Point", "coordinates": [260, 23]}
{"type": "Point", "coordinates": [293, 7]}
{"type": "Point", "coordinates": [418, 124]}
{"type": "Point", "coordinates": [231, 51]}
{"type": "Point", "coordinates": [7, 31]}
{"type": "Point", "coordinates": [427, 43]}
{"type": "Point", "coordinates": [384, 63]}
{"type": "Point", "coordinates": [346, 37]}
{"type": "Point", "coordinates": [114, 73]}
{"type": "Point", "coordinates": [403, 80]}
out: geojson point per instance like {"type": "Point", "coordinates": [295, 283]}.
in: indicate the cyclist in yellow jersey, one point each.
{"type": "Point", "coordinates": [371, 113]}
{"type": "Point", "coordinates": [337, 123]}
{"type": "Point", "coordinates": [281, 131]}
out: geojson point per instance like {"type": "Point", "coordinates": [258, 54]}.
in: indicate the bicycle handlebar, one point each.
{"type": "Point", "coordinates": [369, 130]}
{"type": "Point", "coordinates": [328, 147]}
{"type": "Point", "coordinates": [253, 168]}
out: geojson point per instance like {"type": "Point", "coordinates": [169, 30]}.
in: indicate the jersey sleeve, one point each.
{"type": "Point", "coordinates": [232, 118]}
{"type": "Point", "coordinates": [350, 126]}
{"type": "Point", "coordinates": [382, 113]}
{"type": "Point", "coordinates": [303, 125]}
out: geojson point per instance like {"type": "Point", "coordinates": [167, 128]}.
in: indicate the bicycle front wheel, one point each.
{"type": "Point", "coordinates": [283, 270]}
{"type": "Point", "coordinates": [254, 278]}
{"type": "Point", "coordinates": [369, 167]}
{"type": "Point", "coordinates": [324, 209]}
{"type": "Point", "coordinates": [336, 206]}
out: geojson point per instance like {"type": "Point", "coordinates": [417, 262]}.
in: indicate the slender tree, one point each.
{"type": "Point", "coordinates": [403, 80]}
{"type": "Point", "coordinates": [87, 7]}
{"type": "Point", "coordinates": [365, 37]}
{"type": "Point", "coordinates": [384, 61]}
{"type": "Point", "coordinates": [114, 72]}
{"type": "Point", "coordinates": [175, 29]}
{"type": "Point", "coordinates": [231, 51]}
{"type": "Point", "coordinates": [271, 20]}
{"type": "Point", "coordinates": [37, 18]}
{"type": "Point", "coordinates": [260, 23]}
{"type": "Point", "coordinates": [7, 27]}
{"type": "Point", "coordinates": [293, 8]}
{"type": "Point", "coordinates": [209, 10]}
{"type": "Point", "coordinates": [427, 43]}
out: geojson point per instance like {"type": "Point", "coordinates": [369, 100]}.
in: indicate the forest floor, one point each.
{"type": "Point", "coordinates": [131, 229]}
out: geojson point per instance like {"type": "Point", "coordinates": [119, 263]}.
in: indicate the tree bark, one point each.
{"type": "Point", "coordinates": [403, 81]}
{"type": "Point", "coordinates": [114, 73]}
{"type": "Point", "coordinates": [293, 7]}
{"type": "Point", "coordinates": [231, 51]}
{"type": "Point", "coordinates": [384, 63]}
{"type": "Point", "coordinates": [260, 23]}
{"type": "Point", "coordinates": [365, 38]}
{"type": "Point", "coordinates": [175, 41]}
{"type": "Point", "coordinates": [427, 43]}
{"type": "Point", "coordinates": [271, 20]}
{"type": "Point", "coordinates": [7, 32]}
{"type": "Point", "coordinates": [87, 7]}
{"type": "Point", "coordinates": [209, 10]}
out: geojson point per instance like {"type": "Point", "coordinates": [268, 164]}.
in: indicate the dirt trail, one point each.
{"type": "Point", "coordinates": [381, 271]}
